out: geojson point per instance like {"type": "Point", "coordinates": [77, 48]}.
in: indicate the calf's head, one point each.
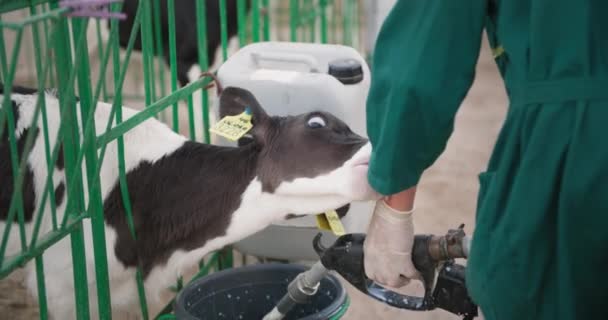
{"type": "Point", "coordinates": [313, 158]}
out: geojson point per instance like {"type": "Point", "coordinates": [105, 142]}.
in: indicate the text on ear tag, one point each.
{"type": "Point", "coordinates": [330, 221]}
{"type": "Point", "coordinates": [234, 127]}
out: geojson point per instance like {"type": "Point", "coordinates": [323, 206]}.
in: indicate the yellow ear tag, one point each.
{"type": "Point", "coordinates": [234, 127]}
{"type": "Point", "coordinates": [330, 221]}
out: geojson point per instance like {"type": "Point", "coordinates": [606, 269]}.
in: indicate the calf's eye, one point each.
{"type": "Point", "coordinates": [316, 122]}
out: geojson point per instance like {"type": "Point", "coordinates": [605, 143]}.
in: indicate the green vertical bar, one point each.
{"type": "Point", "coordinates": [266, 20]}
{"type": "Point", "coordinates": [70, 143]}
{"type": "Point", "coordinates": [355, 41]}
{"type": "Point", "coordinates": [173, 59]}
{"type": "Point", "coordinates": [312, 20]}
{"type": "Point", "coordinates": [323, 8]}
{"type": "Point", "coordinates": [147, 51]}
{"type": "Point", "coordinates": [119, 78]}
{"type": "Point", "coordinates": [3, 62]}
{"type": "Point", "coordinates": [17, 190]}
{"type": "Point", "coordinates": [241, 22]}
{"type": "Point", "coordinates": [43, 309]}
{"type": "Point", "coordinates": [334, 23]}
{"type": "Point", "coordinates": [293, 20]}
{"type": "Point", "coordinates": [14, 157]}
{"type": "Point", "coordinates": [347, 27]}
{"type": "Point", "coordinates": [256, 20]}
{"type": "Point", "coordinates": [100, 46]}
{"type": "Point", "coordinates": [8, 76]}
{"type": "Point", "coordinates": [159, 47]}
{"type": "Point", "coordinates": [201, 21]}
{"type": "Point", "coordinates": [191, 126]}
{"type": "Point", "coordinates": [129, 213]}
{"type": "Point", "coordinates": [48, 44]}
{"type": "Point", "coordinates": [224, 29]}
{"type": "Point", "coordinates": [45, 131]}
{"type": "Point", "coordinates": [87, 106]}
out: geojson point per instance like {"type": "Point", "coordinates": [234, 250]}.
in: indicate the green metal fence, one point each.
{"type": "Point", "coordinates": [37, 33]}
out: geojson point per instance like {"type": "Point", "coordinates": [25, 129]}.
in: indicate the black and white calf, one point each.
{"type": "Point", "coordinates": [188, 198]}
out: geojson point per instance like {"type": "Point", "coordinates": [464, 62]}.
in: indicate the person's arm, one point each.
{"type": "Point", "coordinates": [423, 66]}
{"type": "Point", "coordinates": [402, 201]}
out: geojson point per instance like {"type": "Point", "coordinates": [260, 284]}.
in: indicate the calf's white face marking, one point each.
{"type": "Point", "coordinates": [189, 199]}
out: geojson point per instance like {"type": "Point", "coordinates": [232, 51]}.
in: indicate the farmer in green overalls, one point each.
{"type": "Point", "coordinates": [540, 246]}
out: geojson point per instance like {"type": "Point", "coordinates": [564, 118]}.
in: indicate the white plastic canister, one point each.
{"type": "Point", "coordinates": [291, 78]}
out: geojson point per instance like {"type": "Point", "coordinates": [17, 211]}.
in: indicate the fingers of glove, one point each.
{"type": "Point", "coordinates": [389, 268]}
{"type": "Point", "coordinates": [395, 281]}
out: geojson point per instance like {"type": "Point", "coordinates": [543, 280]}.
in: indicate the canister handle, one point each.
{"type": "Point", "coordinates": [308, 60]}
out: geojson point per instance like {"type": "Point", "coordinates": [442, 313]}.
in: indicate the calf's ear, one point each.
{"type": "Point", "coordinates": [234, 101]}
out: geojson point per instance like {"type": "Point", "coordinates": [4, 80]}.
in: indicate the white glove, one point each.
{"type": "Point", "coordinates": [388, 246]}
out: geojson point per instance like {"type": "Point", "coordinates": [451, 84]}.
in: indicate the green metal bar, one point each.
{"type": "Point", "coordinates": [9, 75]}
{"type": "Point", "coordinates": [127, 204]}
{"type": "Point", "coordinates": [159, 47]}
{"type": "Point", "coordinates": [16, 198]}
{"type": "Point", "coordinates": [100, 52]}
{"type": "Point", "coordinates": [88, 106]}
{"type": "Point", "coordinates": [203, 61]}
{"type": "Point", "coordinates": [356, 25]}
{"type": "Point", "coordinates": [347, 27]}
{"type": "Point", "coordinates": [42, 306]}
{"type": "Point", "coordinates": [154, 108]}
{"type": "Point", "coordinates": [334, 23]}
{"type": "Point", "coordinates": [226, 260]}
{"type": "Point", "coordinates": [48, 45]}
{"type": "Point", "coordinates": [147, 51]}
{"type": "Point", "coordinates": [3, 63]}
{"type": "Point", "coordinates": [224, 29]}
{"type": "Point", "coordinates": [51, 160]}
{"type": "Point", "coordinates": [75, 242]}
{"type": "Point", "coordinates": [16, 165]}
{"type": "Point", "coordinates": [204, 270]}
{"type": "Point", "coordinates": [241, 22]}
{"type": "Point", "coordinates": [55, 13]}
{"type": "Point", "coordinates": [173, 59]}
{"type": "Point", "coordinates": [266, 20]}
{"type": "Point", "coordinates": [12, 5]}
{"type": "Point", "coordinates": [293, 20]}
{"type": "Point", "coordinates": [256, 20]}
{"type": "Point", "coordinates": [49, 185]}
{"type": "Point", "coordinates": [323, 8]}
{"type": "Point", "coordinates": [312, 20]}
{"type": "Point", "coordinates": [48, 240]}
{"type": "Point", "coordinates": [68, 107]}
{"type": "Point", "coordinates": [47, 153]}
{"type": "Point", "coordinates": [191, 118]}
{"type": "Point", "coordinates": [64, 120]}
{"type": "Point", "coordinates": [117, 109]}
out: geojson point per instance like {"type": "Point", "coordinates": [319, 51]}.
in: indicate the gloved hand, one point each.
{"type": "Point", "coordinates": [388, 246]}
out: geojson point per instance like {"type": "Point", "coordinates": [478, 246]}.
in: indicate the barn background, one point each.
{"type": "Point", "coordinates": [447, 195]}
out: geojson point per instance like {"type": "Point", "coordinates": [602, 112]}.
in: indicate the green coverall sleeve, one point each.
{"type": "Point", "coordinates": [423, 66]}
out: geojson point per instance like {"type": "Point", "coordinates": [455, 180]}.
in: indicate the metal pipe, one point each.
{"type": "Point", "coordinates": [299, 291]}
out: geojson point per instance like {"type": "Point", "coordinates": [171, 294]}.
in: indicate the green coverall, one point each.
{"type": "Point", "coordinates": [540, 246]}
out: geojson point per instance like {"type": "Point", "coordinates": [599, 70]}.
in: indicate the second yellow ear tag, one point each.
{"type": "Point", "coordinates": [234, 127]}
{"type": "Point", "coordinates": [330, 221]}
